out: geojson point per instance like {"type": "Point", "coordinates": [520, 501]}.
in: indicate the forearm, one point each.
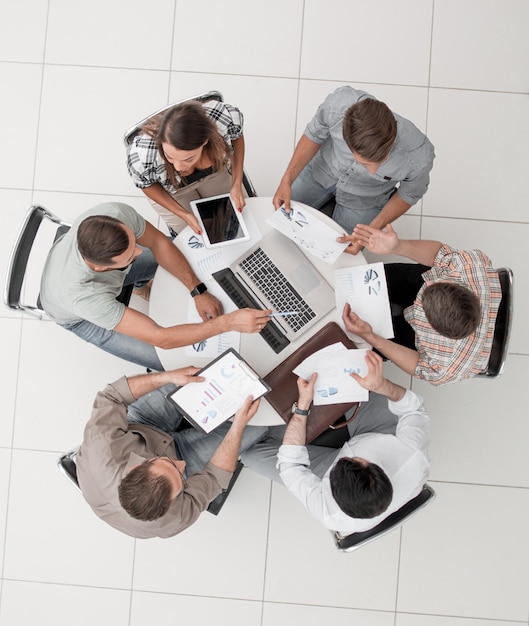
{"type": "Point", "coordinates": [421, 251]}
{"type": "Point", "coordinates": [136, 324]}
{"type": "Point", "coordinates": [145, 383]}
{"type": "Point", "coordinates": [158, 194]}
{"type": "Point", "coordinates": [226, 455]}
{"type": "Point", "coordinates": [237, 166]}
{"type": "Point", "coordinates": [394, 208]}
{"type": "Point", "coordinates": [172, 260]}
{"type": "Point", "coordinates": [296, 432]}
{"type": "Point", "coordinates": [304, 152]}
{"type": "Point", "coordinates": [403, 357]}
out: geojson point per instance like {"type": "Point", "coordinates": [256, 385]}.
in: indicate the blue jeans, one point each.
{"type": "Point", "coordinates": [123, 346]}
{"type": "Point", "coordinates": [192, 446]}
{"type": "Point", "coordinates": [305, 189]}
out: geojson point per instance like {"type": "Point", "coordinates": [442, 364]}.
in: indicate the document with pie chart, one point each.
{"type": "Point", "coordinates": [229, 380]}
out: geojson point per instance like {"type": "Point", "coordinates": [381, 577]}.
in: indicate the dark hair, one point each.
{"type": "Point", "coordinates": [100, 238]}
{"type": "Point", "coordinates": [186, 126]}
{"type": "Point", "coordinates": [361, 490]}
{"type": "Point", "coordinates": [145, 495]}
{"type": "Point", "coordinates": [452, 310]}
{"type": "Point", "coordinates": [370, 128]}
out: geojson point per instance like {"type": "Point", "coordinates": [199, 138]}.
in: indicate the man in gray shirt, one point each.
{"type": "Point", "coordinates": [375, 162]}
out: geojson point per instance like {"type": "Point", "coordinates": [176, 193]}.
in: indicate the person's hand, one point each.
{"type": "Point", "coordinates": [208, 306]}
{"type": "Point", "coordinates": [184, 375]}
{"type": "Point", "coordinates": [374, 379]}
{"type": "Point", "coordinates": [192, 222]}
{"type": "Point", "coordinates": [248, 320]}
{"type": "Point", "coordinates": [246, 412]}
{"type": "Point", "coordinates": [354, 324]}
{"type": "Point", "coordinates": [306, 391]}
{"type": "Point", "coordinates": [375, 240]}
{"type": "Point", "coordinates": [282, 197]}
{"type": "Point", "coordinates": [238, 197]}
{"type": "Point", "coordinates": [354, 246]}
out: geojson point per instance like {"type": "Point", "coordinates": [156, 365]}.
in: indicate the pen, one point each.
{"type": "Point", "coordinates": [283, 313]}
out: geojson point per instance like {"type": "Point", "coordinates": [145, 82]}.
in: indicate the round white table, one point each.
{"type": "Point", "coordinates": [252, 348]}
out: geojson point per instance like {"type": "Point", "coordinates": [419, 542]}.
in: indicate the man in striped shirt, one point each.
{"type": "Point", "coordinates": [450, 300]}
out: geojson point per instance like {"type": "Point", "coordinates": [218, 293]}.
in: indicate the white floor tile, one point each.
{"type": "Point", "coordinates": [23, 31]}
{"type": "Point", "coordinates": [260, 38]}
{"type": "Point", "coordinates": [283, 614]}
{"type": "Point", "coordinates": [478, 174]}
{"type": "Point", "coordinates": [506, 246]}
{"type": "Point", "coordinates": [436, 620]}
{"type": "Point", "coordinates": [22, 83]}
{"type": "Point", "coordinates": [486, 47]}
{"type": "Point", "coordinates": [56, 390]}
{"type": "Point", "coordinates": [10, 330]}
{"type": "Point", "coordinates": [269, 109]}
{"type": "Point", "coordinates": [478, 422]}
{"type": "Point", "coordinates": [386, 42]}
{"type": "Point", "coordinates": [5, 467]}
{"type": "Point", "coordinates": [219, 556]}
{"type": "Point", "coordinates": [467, 554]}
{"type": "Point", "coordinates": [62, 605]}
{"type": "Point", "coordinates": [92, 157]}
{"type": "Point", "coordinates": [305, 567]}
{"type": "Point", "coordinates": [53, 535]}
{"type": "Point", "coordinates": [102, 33]}
{"type": "Point", "coordinates": [150, 608]}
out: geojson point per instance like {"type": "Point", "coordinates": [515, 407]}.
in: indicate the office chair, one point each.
{"type": "Point", "coordinates": [352, 542]}
{"type": "Point", "coordinates": [67, 467]}
{"type": "Point", "coordinates": [502, 328]}
{"type": "Point", "coordinates": [203, 97]}
{"type": "Point", "coordinates": [18, 263]}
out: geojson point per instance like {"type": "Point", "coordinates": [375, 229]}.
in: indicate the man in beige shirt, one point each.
{"type": "Point", "coordinates": [143, 476]}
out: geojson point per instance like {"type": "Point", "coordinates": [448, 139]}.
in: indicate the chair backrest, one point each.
{"type": "Point", "coordinates": [203, 97]}
{"type": "Point", "coordinates": [395, 520]}
{"type": "Point", "coordinates": [20, 255]}
{"type": "Point", "coordinates": [502, 328]}
{"type": "Point", "coordinates": [67, 466]}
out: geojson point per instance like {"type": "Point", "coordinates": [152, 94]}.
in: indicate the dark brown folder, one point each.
{"type": "Point", "coordinates": [284, 389]}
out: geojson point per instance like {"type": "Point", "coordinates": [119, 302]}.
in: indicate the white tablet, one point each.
{"type": "Point", "coordinates": [219, 220]}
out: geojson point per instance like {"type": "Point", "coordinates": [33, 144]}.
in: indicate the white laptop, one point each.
{"type": "Point", "coordinates": [275, 274]}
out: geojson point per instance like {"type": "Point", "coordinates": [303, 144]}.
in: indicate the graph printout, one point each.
{"type": "Point", "coordinates": [229, 380]}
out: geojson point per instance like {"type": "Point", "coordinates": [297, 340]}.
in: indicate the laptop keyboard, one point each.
{"type": "Point", "coordinates": [282, 295]}
{"type": "Point", "coordinates": [273, 335]}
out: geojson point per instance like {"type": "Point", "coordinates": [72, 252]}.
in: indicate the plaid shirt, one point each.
{"type": "Point", "coordinates": [443, 360]}
{"type": "Point", "coordinates": [147, 167]}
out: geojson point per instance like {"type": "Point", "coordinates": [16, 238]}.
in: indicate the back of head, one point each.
{"type": "Point", "coordinates": [185, 126]}
{"type": "Point", "coordinates": [370, 129]}
{"type": "Point", "coordinates": [453, 310]}
{"type": "Point", "coordinates": [144, 495]}
{"type": "Point", "coordinates": [362, 490]}
{"type": "Point", "coordinates": [100, 238]}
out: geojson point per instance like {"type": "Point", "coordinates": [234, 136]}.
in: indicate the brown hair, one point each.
{"type": "Point", "coordinates": [186, 126]}
{"type": "Point", "coordinates": [144, 495]}
{"type": "Point", "coordinates": [452, 310]}
{"type": "Point", "coordinates": [100, 238]}
{"type": "Point", "coordinates": [370, 128]}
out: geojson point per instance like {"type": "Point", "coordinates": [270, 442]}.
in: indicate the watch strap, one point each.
{"type": "Point", "coordinates": [198, 290]}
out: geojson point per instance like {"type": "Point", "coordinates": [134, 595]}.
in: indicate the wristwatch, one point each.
{"type": "Point", "coordinates": [198, 290]}
{"type": "Point", "coordinates": [297, 411]}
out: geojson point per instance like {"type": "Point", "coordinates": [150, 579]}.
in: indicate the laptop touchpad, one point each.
{"type": "Point", "coordinates": [305, 277]}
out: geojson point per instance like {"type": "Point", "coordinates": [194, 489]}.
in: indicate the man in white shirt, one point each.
{"type": "Point", "coordinates": [384, 464]}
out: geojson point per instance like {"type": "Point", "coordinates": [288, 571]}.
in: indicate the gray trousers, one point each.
{"type": "Point", "coordinates": [373, 417]}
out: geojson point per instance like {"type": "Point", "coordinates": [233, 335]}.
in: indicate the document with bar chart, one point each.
{"type": "Point", "coordinates": [229, 380]}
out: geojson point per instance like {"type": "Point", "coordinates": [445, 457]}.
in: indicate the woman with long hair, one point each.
{"type": "Point", "coordinates": [192, 150]}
